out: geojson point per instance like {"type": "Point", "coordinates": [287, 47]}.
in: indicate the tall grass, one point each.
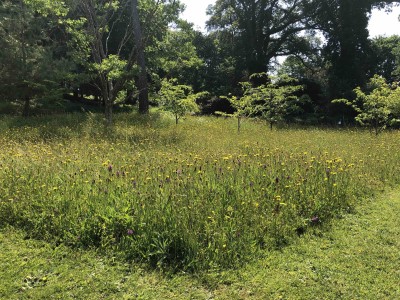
{"type": "Point", "coordinates": [194, 196]}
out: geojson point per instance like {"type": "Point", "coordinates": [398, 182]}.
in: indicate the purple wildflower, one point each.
{"type": "Point", "coordinates": [328, 172]}
{"type": "Point", "coordinates": [315, 220]}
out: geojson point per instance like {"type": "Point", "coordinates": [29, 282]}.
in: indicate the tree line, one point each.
{"type": "Point", "coordinates": [139, 52]}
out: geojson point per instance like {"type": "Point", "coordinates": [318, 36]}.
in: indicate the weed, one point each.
{"type": "Point", "coordinates": [192, 197]}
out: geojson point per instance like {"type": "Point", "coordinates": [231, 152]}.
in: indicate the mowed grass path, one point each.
{"type": "Point", "coordinates": [358, 257]}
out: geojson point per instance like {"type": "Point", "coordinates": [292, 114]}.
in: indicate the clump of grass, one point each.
{"type": "Point", "coordinates": [196, 196]}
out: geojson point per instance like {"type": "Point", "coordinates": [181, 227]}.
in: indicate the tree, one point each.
{"type": "Point", "coordinates": [31, 69]}
{"type": "Point", "coordinates": [396, 53]}
{"type": "Point", "coordinates": [91, 27]}
{"type": "Point", "coordinates": [243, 106]}
{"type": "Point", "coordinates": [221, 70]}
{"type": "Point", "coordinates": [110, 42]}
{"type": "Point", "coordinates": [141, 61]}
{"type": "Point", "coordinates": [384, 58]}
{"type": "Point", "coordinates": [258, 31]}
{"type": "Point", "coordinates": [344, 24]}
{"type": "Point", "coordinates": [378, 108]}
{"type": "Point", "coordinates": [177, 98]}
{"type": "Point", "coordinates": [176, 56]}
{"type": "Point", "coordinates": [272, 101]}
{"type": "Point", "coordinates": [277, 99]}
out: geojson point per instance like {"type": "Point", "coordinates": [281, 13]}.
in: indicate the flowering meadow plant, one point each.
{"type": "Point", "coordinates": [196, 196]}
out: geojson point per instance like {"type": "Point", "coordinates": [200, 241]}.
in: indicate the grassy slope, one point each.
{"type": "Point", "coordinates": [358, 258]}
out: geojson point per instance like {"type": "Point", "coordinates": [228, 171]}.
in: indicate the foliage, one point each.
{"type": "Point", "coordinates": [88, 25]}
{"type": "Point", "coordinates": [272, 101]}
{"type": "Point", "coordinates": [243, 106]}
{"type": "Point", "coordinates": [344, 25]}
{"type": "Point", "coordinates": [385, 57]}
{"type": "Point", "coordinates": [111, 49]}
{"type": "Point", "coordinates": [379, 108]}
{"type": "Point", "coordinates": [308, 66]}
{"type": "Point", "coordinates": [396, 53]}
{"type": "Point", "coordinates": [113, 66]}
{"type": "Point", "coordinates": [176, 56]}
{"type": "Point", "coordinates": [109, 41]}
{"type": "Point", "coordinates": [258, 31]}
{"type": "Point", "coordinates": [31, 54]}
{"type": "Point", "coordinates": [277, 99]}
{"type": "Point", "coordinates": [177, 98]}
{"type": "Point", "coordinates": [190, 197]}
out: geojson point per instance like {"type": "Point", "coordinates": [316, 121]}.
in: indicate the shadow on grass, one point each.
{"type": "Point", "coordinates": [128, 125]}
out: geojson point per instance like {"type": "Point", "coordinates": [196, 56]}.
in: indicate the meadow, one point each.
{"type": "Point", "coordinates": [192, 197]}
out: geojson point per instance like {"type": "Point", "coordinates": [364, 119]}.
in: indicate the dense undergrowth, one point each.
{"type": "Point", "coordinates": [189, 197]}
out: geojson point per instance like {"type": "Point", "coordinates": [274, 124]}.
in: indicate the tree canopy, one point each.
{"type": "Point", "coordinates": [122, 52]}
{"type": "Point", "coordinates": [259, 31]}
{"type": "Point", "coordinates": [379, 106]}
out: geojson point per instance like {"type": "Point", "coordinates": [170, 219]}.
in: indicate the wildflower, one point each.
{"type": "Point", "coordinates": [315, 220]}
{"type": "Point", "coordinates": [328, 172]}
{"type": "Point", "coordinates": [130, 232]}
{"type": "Point", "coordinates": [110, 168]}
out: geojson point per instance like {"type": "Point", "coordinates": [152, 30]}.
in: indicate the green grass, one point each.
{"type": "Point", "coordinates": [193, 197]}
{"type": "Point", "coordinates": [31, 269]}
{"type": "Point", "coordinates": [356, 258]}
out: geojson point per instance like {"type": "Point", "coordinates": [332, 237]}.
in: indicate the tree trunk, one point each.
{"type": "Point", "coordinates": [27, 100]}
{"type": "Point", "coordinates": [142, 80]}
{"type": "Point", "coordinates": [26, 110]}
{"type": "Point", "coordinates": [106, 87]}
{"type": "Point", "coordinates": [108, 112]}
